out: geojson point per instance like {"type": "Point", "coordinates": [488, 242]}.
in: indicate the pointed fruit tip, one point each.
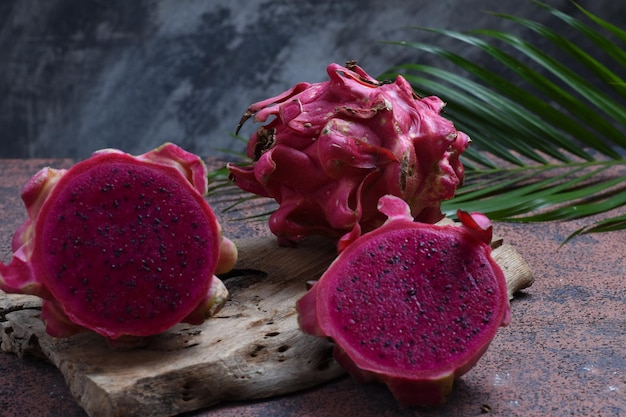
{"type": "Point", "coordinates": [477, 224]}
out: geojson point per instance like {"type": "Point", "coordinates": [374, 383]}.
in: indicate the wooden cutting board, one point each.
{"type": "Point", "coordinates": [251, 349]}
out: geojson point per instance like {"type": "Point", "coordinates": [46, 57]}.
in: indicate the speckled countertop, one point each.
{"type": "Point", "coordinates": [564, 353]}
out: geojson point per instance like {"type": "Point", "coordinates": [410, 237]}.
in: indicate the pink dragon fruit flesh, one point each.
{"type": "Point", "coordinates": [409, 304]}
{"type": "Point", "coordinates": [121, 245]}
{"type": "Point", "coordinates": [330, 150]}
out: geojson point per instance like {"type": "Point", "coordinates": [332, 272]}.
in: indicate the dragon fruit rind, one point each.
{"type": "Point", "coordinates": [409, 304]}
{"type": "Point", "coordinates": [125, 246]}
{"type": "Point", "coordinates": [332, 149]}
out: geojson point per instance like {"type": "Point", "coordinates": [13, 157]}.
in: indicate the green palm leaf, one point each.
{"type": "Point", "coordinates": [549, 137]}
{"type": "Point", "coordinates": [549, 140]}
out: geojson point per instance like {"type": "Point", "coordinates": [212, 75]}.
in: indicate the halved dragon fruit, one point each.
{"type": "Point", "coordinates": [409, 304]}
{"type": "Point", "coordinates": [332, 149]}
{"type": "Point", "coordinates": [125, 246]}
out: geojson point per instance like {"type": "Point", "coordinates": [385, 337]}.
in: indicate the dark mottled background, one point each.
{"type": "Point", "coordinates": [79, 75]}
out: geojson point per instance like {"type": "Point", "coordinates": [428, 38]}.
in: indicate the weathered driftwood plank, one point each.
{"type": "Point", "coordinates": [251, 349]}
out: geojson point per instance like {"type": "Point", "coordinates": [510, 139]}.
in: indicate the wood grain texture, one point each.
{"type": "Point", "coordinates": [251, 349]}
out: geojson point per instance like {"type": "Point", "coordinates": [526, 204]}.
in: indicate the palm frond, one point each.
{"type": "Point", "coordinates": [607, 225]}
{"type": "Point", "coordinates": [549, 138]}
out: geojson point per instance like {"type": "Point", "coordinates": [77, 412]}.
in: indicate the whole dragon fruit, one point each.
{"type": "Point", "coordinates": [409, 304]}
{"type": "Point", "coordinates": [125, 246]}
{"type": "Point", "coordinates": [332, 149]}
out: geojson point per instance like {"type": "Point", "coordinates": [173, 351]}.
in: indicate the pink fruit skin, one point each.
{"type": "Point", "coordinates": [421, 323]}
{"type": "Point", "coordinates": [332, 149]}
{"type": "Point", "coordinates": [101, 242]}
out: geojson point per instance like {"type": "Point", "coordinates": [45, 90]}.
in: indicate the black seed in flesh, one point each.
{"type": "Point", "coordinates": [434, 313]}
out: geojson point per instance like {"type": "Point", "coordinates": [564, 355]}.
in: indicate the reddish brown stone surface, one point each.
{"type": "Point", "coordinates": [563, 354]}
